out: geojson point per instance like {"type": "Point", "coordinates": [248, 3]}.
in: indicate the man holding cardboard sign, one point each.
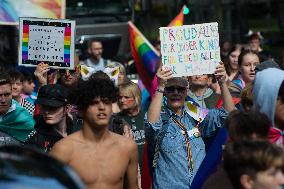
{"type": "Point", "coordinates": [190, 50]}
{"type": "Point", "coordinates": [174, 136]}
{"type": "Point", "coordinates": [175, 133]}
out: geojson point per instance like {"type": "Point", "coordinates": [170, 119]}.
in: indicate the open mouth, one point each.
{"type": "Point", "coordinates": [102, 116]}
{"type": "Point", "coordinates": [252, 74]}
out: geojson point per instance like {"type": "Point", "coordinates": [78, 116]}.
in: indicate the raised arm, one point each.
{"type": "Point", "coordinates": [223, 81]}
{"type": "Point", "coordinates": [41, 73]}
{"type": "Point", "coordinates": [154, 110]}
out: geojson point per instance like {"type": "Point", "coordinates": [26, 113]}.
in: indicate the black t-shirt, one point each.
{"type": "Point", "coordinates": [136, 125]}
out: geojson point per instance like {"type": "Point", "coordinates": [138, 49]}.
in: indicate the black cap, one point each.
{"type": "Point", "coordinates": [52, 95]}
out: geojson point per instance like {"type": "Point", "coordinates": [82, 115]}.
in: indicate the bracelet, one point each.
{"type": "Point", "coordinates": [160, 90]}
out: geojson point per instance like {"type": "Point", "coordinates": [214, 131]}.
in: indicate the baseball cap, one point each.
{"type": "Point", "coordinates": [177, 81]}
{"type": "Point", "coordinates": [53, 95]}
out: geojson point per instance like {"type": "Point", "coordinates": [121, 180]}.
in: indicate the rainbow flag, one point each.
{"type": "Point", "coordinates": [178, 20]}
{"type": "Point", "coordinates": [146, 178]}
{"type": "Point", "coordinates": [11, 10]}
{"type": "Point", "coordinates": [145, 56]}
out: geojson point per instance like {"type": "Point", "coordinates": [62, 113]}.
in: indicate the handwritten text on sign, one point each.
{"type": "Point", "coordinates": [190, 50]}
{"type": "Point", "coordinates": [47, 40]}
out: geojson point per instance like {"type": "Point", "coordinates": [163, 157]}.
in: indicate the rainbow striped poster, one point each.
{"type": "Point", "coordinates": [46, 40]}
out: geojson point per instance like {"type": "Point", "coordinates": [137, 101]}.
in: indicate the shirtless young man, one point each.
{"type": "Point", "coordinates": [102, 158]}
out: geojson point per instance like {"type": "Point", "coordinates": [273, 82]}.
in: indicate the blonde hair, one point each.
{"type": "Point", "coordinates": [117, 64]}
{"type": "Point", "coordinates": [133, 89]}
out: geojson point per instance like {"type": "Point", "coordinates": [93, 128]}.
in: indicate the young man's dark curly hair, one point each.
{"type": "Point", "coordinates": [86, 91]}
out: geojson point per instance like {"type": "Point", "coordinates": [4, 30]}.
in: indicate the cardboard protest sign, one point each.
{"type": "Point", "coordinates": [46, 40]}
{"type": "Point", "coordinates": [190, 49]}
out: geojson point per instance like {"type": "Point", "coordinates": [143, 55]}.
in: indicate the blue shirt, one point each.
{"type": "Point", "coordinates": [172, 170]}
{"type": "Point", "coordinates": [100, 66]}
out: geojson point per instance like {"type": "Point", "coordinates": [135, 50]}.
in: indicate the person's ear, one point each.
{"type": "Point", "coordinates": [246, 181]}
{"type": "Point", "coordinates": [68, 108]}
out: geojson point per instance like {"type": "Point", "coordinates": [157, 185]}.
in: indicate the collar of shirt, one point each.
{"type": "Point", "coordinates": [12, 108]}
{"type": "Point", "coordinates": [171, 113]}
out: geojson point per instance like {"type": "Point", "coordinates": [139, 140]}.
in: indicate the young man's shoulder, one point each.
{"type": "Point", "coordinates": [124, 142]}
{"type": "Point", "coordinates": [64, 148]}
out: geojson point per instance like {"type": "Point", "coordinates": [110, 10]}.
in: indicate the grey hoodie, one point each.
{"type": "Point", "coordinates": [201, 99]}
{"type": "Point", "coordinates": [266, 89]}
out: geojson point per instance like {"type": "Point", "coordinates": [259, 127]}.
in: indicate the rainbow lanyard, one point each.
{"type": "Point", "coordinates": [186, 137]}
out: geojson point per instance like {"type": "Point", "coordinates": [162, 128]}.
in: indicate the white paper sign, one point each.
{"type": "Point", "coordinates": [46, 40]}
{"type": "Point", "coordinates": [190, 49]}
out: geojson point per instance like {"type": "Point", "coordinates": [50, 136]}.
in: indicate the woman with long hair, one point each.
{"type": "Point", "coordinates": [231, 62]}
{"type": "Point", "coordinates": [247, 62]}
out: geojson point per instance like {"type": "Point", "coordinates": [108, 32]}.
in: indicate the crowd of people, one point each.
{"type": "Point", "coordinates": [220, 130]}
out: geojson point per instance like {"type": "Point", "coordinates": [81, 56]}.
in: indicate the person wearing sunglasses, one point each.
{"type": "Point", "coordinates": [175, 137]}
{"type": "Point", "coordinates": [68, 78]}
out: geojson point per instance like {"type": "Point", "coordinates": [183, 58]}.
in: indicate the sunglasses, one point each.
{"type": "Point", "coordinates": [173, 89]}
{"type": "Point", "coordinates": [62, 71]}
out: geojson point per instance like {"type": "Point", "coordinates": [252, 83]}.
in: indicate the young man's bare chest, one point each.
{"type": "Point", "coordinates": [100, 164]}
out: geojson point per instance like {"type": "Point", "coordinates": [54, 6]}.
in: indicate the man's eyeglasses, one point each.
{"type": "Point", "coordinates": [173, 89]}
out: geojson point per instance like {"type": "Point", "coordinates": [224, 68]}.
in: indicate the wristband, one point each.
{"type": "Point", "coordinates": [160, 90]}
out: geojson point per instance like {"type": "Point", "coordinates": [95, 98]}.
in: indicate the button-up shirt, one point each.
{"type": "Point", "coordinates": [172, 169]}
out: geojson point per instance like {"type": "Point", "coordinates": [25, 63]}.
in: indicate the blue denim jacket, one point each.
{"type": "Point", "coordinates": [172, 170]}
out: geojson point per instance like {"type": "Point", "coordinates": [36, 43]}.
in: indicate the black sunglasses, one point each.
{"type": "Point", "coordinates": [62, 71]}
{"type": "Point", "coordinates": [173, 89]}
